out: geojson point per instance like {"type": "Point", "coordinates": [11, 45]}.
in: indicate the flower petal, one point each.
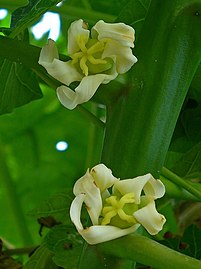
{"type": "Point", "coordinates": [102, 233]}
{"type": "Point", "coordinates": [149, 218]}
{"type": "Point", "coordinates": [85, 185]}
{"type": "Point", "coordinates": [62, 71]}
{"type": "Point", "coordinates": [134, 185]}
{"type": "Point", "coordinates": [122, 33]}
{"type": "Point", "coordinates": [76, 29]}
{"type": "Point", "coordinates": [75, 211]}
{"type": "Point", "coordinates": [103, 177]}
{"type": "Point", "coordinates": [85, 90]}
{"type": "Point", "coordinates": [124, 56]}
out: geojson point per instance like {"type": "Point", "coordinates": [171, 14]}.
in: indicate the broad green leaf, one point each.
{"type": "Point", "coordinates": [189, 165]}
{"type": "Point", "coordinates": [57, 206]}
{"type": "Point", "coordinates": [41, 259]}
{"type": "Point", "coordinates": [65, 244]}
{"type": "Point", "coordinates": [18, 86]}
{"type": "Point", "coordinates": [25, 16]}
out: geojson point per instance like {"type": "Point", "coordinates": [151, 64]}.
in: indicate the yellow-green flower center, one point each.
{"type": "Point", "coordinates": [89, 56]}
{"type": "Point", "coordinates": [119, 212]}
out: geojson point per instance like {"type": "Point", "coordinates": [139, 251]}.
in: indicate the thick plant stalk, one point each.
{"type": "Point", "coordinates": [141, 123]}
{"type": "Point", "coordinates": [135, 247]}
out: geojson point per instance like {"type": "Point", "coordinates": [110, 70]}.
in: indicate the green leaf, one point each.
{"type": "Point", "coordinates": [66, 246]}
{"type": "Point", "coordinates": [195, 90]}
{"type": "Point", "coordinates": [192, 242]}
{"type": "Point", "coordinates": [134, 13]}
{"type": "Point", "coordinates": [25, 16]}
{"type": "Point", "coordinates": [189, 165]}
{"type": "Point", "coordinates": [56, 206]}
{"type": "Point", "coordinates": [100, 260]}
{"type": "Point", "coordinates": [189, 243]}
{"type": "Point", "coordinates": [18, 86]}
{"type": "Point", "coordinates": [191, 119]}
{"type": "Point", "coordinates": [41, 259]}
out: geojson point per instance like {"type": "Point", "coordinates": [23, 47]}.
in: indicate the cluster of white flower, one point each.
{"type": "Point", "coordinates": [98, 57]}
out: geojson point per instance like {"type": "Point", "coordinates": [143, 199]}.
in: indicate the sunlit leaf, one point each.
{"type": "Point", "coordinates": [25, 16]}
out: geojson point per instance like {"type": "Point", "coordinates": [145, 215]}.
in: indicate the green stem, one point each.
{"type": "Point", "coordinates": [91, 117]}
{"type": "Point", "coordinates": [17, 210]}
{"type": "Point", "coordinates": [19, 251]}
{"type": "Point", "coordinates": [180, 182]}
{"type": "Point", "coordinates": [176, 191]}
{"type": "Point", "coordinates": [149, 252]}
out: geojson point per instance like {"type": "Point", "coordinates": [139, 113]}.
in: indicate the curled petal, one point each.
{"type": "Point", "coordinates": [85, 90]}
{"type": "Point", "coordinates": [102, 233]}
{"type": "Point", "coordinates": [92, 199]}
{"type": "Point", "coordinates": [134, 185]}
{"type": "Point", "coordinates": [123, 55]}
{"type": "Point", "coordinates": [49, 52]}
{"type": "Point", "coordinates": [103, 177]}
{"type": "Point", "coordinates": [154, 188]}
{"type": "Point", "coordinates": [149, 218]}
{"type": "Point", "coordinates": [120, 32]}
{"type": "Point", "coordinates": [77, 28]}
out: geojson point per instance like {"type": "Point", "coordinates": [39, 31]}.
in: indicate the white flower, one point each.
{"type": "Point", "coordinates": [119, 212]}
{"type": "Point", "coordinates": [97, 57]}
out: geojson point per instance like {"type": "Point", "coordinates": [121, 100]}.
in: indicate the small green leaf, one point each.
{"type": "Point", "coordinates": [66, 246]}
{"type": "Point", "coordinates": [18, 86]}
{"type": "Point", "coordinates": [192, 239]}
{"type": "Point", "coordinates": [41, 259]}
{"type": "Point", "coordinates": [190, 164]}
{"type": "Point", "coordinates": [189, 243]}
{"type": "Point", "coordinates": [56, 206]}
{"type": "Point", "coordinates": [25, 16]}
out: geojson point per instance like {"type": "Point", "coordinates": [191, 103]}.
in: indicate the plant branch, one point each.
{"type": "Point", "coordinates": [181, 182]}
{"type": "Point", "coordinates": [148, 252]}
